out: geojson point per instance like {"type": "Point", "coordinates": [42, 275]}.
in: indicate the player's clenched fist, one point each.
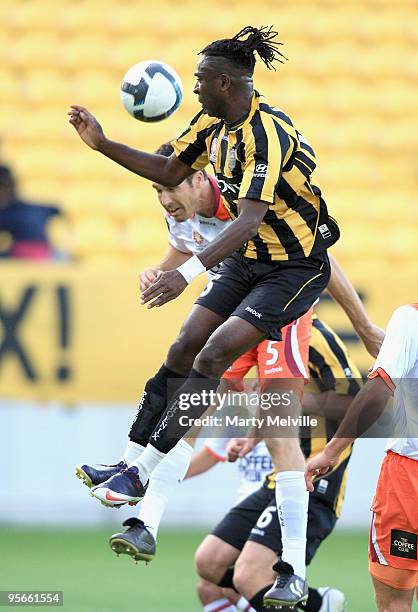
{"type": "Point", "coordinates": [167, 287]}
{"type": "Point", "coordinates": [87, 126]}
{"type": "Point", "coordinates": [319, 465]}
{"type": "Point", "coordinates": [239, 447]}
{"type": "Point", "coordinates": [148, 277]}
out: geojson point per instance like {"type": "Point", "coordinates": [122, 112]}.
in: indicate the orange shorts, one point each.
{"type": "Point", "coordinates": [287, 358]}
{"type": "Point", "coordinates": [394, 527]}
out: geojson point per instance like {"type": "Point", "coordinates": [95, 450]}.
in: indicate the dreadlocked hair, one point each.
{"type": "Point", "coordinates": [242, 47]}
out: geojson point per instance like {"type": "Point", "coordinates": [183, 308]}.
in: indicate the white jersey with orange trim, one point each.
{"type": "Point", "coordinates": [253, 468]}
{"type": "Point", "coordinates": [397, 365]}
{"type": "Point", "coordinates": [195, 234]}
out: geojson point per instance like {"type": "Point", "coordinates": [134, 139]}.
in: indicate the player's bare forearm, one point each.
{"type": "Point", "coordinates": [366, 407]}
{"type": "Point", "coordinates": [167, 171]}
{"type": "Point", "coordinates": [201, 462]}
{"type": "Point", "coordinates": [328, 404]}
{"type": "Point", "coordinates": [235, 235]}
{"type": "Point", "coordinates": [172, 259]}
{"type": "Point", "coordinates": [343, 292]}
{"type": "Point", "coordinates": [364, 410]}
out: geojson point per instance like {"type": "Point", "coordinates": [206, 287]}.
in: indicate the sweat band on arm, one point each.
{"type": "Point", "coordinates": [191, 268]}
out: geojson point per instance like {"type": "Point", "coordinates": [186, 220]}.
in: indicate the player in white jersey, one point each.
{"type": "Point", "coordinates": [394, 528]}
{"type": "Point", "coordinates": [253, 468]}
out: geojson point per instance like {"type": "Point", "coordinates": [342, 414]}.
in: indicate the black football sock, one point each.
{"type": "Point", "coordinates": [257, 601]}
{"type": "Point", "coordinates": [180, 413]}
{"type": "Point", "coordinates": [313, 603]}
{"type": "Point", "coordinates": [153, 403]}
{"type": "Point", "coordinates": [227, 580]}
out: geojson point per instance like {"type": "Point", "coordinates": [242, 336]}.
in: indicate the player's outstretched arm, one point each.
{"type": "Point", "coordinates": [343, 292]}
{"type": "Point", "coordinates": [168, 171]}
{"type": "Point", "coordinates": [170, 284]}
{"type": "Point", "coordinates": [364, 410]}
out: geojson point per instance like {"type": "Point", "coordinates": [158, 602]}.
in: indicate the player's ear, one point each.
{"type": "Point", "coordinates": [225, 82]}
{"type": "Point", "coordinates": [198, 178]}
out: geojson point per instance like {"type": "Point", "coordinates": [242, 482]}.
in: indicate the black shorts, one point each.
{"type": "Point", "coordinates": [267, 295]}
{"type": "Point", "coordinates": [255, 520]}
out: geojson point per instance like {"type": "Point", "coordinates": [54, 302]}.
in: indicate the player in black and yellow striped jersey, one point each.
{"type": "Point", "coordinates": [264, 157]}
{"type": "Point", "coordinates": [251, 528]}
{"type": "Point", "coordinates": [273, 254]}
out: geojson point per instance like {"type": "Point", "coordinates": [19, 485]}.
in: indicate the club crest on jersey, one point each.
{"type": "Point", "coordinates": [198, 238]}
{"type": "Point", "coordinates": [213, 150]}
{"type": "Point", "coordinates": [232, 159]}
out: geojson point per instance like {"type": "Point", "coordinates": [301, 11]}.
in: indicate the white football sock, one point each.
{"type": "Point", "coordinates": [244, 605]}
{"type": "Point", "coordinates": [220, 605]}
{"type": "Point", "coordinates": [146, 463]}
{"type": "Point", "coordinates": [164, 480]}
{"type": "Point", "coordinates": [292, 507]}
{"type": "Point", "coordinates": [132, 451]}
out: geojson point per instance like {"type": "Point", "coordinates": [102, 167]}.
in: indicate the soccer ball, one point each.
{"type": "Point", "coordinates": [151, 91]}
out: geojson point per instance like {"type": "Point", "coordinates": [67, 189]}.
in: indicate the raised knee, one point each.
{"type": "Point", "coordinates": [247, 579]}
{"type": "Point", "coordinates": [206, 565]}
{"type": "Point", "coordinates": [241, 576]}
{"type": "Point", "coordinates": [182, 352]}
{"type": "Point", "coordinates": [212, 360]}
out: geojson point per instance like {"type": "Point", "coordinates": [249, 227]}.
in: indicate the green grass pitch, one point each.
{"type": "Point", "coordinates": [80, 563]}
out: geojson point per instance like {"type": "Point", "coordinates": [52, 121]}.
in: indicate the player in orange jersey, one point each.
{"type": "Point", "coordinates": [393, 558]}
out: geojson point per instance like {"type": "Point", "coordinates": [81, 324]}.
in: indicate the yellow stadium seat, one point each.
{"type": "Point", "coordinates": [96, 87]}
{"type": "Point", "coordinates": [46, 84]}
{"type": "Point", "coordinates": [35, 50]}
{"type": "Point", "coordinates": [47, 189]}
{"type": "Point", "coordinates": [45, 124]}
{"type": "Point", "coordinates": [401, 242]}
{"type": "Point", "coordinates": [85, 51]}
{"type": "Point", "coordinates": [81, 17]}
{"type": "Point", "coordinates": [146, 237]}
{"type": "Point", "coordinates": [95, 236]}
{"type": "Point", "coordinates": [39, 16]}
{"type": "Point", "coordinates": [129, 203]}
{"type": "Point", "coordinates": [358, 243]}
{"type": "Point", "coordinates": [38, 162]}
{"type": "Point", "coordinates": [12, 85]}
{"type": "Point", "coordinates": [86, 197]}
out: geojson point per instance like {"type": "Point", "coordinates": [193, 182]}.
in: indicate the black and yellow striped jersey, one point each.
{"type": "Point", "coordinates": [331, 369]}
{"type": "Point", "coordinates": [264, 157]}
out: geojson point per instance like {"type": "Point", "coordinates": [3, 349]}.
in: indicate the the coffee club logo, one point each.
{"type": "Point", "coordinates": [403, 544]}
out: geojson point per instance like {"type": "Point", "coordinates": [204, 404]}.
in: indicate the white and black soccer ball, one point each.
{"type": "Point", "coordinates": [151, 91]}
